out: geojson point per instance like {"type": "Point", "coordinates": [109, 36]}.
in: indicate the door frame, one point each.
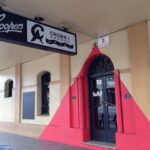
{"type": "Point", "coordinates": [103, 77]}
{"type": "Point", "coordinates": [84, 96]}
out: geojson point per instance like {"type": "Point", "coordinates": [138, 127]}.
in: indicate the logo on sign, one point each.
{"type": "Point", "coordinates": [59, 39]}
{"type": "Point", "coordinates": [38, 36]}
{"type": "Point", "coordinates": [37, 33]}
{"type": "Point", "coordinates": [9, 27]}
{"type": "Point", "coordinates": [50, 37]}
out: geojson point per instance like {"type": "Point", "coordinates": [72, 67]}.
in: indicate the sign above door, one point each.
{"type": "Point", "coordinates": [28, 32]}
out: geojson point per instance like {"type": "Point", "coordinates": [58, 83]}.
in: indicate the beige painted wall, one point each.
{"type": "Point", "coordinates": [30, 70]}
{"type": "Point", "coordinates": [148, 23]}
{"type": "Point", "coordinates": [140, 64]}
{"type": "Point", "coordinates": [7, 105]}
{"type": "Point", "coordinates": [118, 52]}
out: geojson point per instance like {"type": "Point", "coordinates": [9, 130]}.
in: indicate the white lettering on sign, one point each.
{"type": "Point", "coordinates": [9, 27]}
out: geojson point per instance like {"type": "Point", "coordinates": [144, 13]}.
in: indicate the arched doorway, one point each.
{"type": "Point", "coordinates": [103, 124]}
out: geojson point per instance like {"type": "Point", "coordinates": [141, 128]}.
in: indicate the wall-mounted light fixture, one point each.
{"type": "Point", "coordinates": [38, 18]}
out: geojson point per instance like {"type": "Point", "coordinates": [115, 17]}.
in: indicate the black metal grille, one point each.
{"type": "Point", "coordinates": [101, 65]}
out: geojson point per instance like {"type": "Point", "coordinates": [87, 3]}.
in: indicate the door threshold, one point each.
{"type": "Point", "coordinates": [101, 144]}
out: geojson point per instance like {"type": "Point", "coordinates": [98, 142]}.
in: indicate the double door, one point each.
{"type": "Point", "coordinates": [103, 122]}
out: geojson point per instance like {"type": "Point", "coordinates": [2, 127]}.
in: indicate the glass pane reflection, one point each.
{"type": "Point", "coordinates": [110, 91]}
{"type": "Point", "coordinates": [97, 103]}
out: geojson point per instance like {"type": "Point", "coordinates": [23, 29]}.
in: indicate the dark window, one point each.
{"type": "Point", "coordinates": [101, 65]}
{"type": "Point", "coordinates": [8, 88]}
{"type": "Point", "coordinates": [45, 80]}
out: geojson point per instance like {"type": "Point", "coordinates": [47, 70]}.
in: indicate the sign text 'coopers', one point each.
{"type": "Point", "coordinates": [10, 26]}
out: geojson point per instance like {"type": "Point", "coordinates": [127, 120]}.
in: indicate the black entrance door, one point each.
{"type": "Point", "coordinates": [102, 108]}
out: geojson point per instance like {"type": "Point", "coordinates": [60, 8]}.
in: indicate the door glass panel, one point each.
{"type": "Point", "coordinates": [110, 82]}
{"type": "Point", "coordinates": [103, 109]}
{"type": "Point", "coordinates": [98, 104]}
{"type": "Point", "coordinates": [110, 92]}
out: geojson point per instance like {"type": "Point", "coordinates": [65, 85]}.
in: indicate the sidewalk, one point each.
{"type": "Point", "coordinates": [25, 143]}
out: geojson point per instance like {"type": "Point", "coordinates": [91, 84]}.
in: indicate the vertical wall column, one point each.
{"type": "Point", "coordinates": [65, 84]}
{"type": "Point", "coordinates": [81, 104]}
{"type": "Point", "coordinates": [18, 79]}
{"type": "Point", "coordinates": [118, 102]}
{"type": "Point", "coordinates": [64, 73]}
{"type": "Point", "coordinates": [140, 64]}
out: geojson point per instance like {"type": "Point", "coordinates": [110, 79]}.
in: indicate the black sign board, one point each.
{"type": "Point", "coordinates": [27, 32]}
